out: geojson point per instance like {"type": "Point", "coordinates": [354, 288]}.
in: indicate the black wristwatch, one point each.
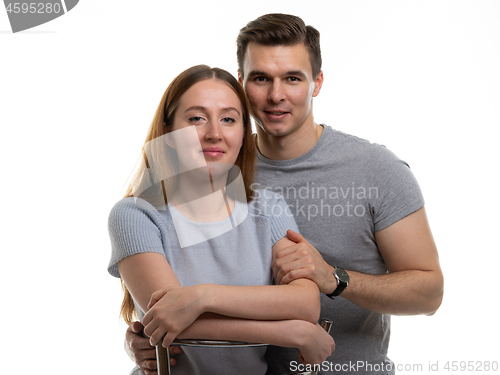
{"type": "Point", "coordinates": [342, 281]}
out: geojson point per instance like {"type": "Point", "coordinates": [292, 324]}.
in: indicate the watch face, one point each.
{"type": "Point", "coordinates": [342, 274]}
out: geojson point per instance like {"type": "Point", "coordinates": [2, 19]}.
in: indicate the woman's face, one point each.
{"type": "Point", "coordinates": [213, 109]}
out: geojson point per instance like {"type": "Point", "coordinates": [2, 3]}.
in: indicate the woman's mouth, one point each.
{"type": "Point", "coordinates": [213, 152]}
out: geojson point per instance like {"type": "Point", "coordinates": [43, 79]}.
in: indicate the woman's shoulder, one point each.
{"type": "Point", "coordinates": [134, 227]}
{"type": "Point", "coordinates": [134, 209]}
{"type": "Point", "coordinates": [127, 206]}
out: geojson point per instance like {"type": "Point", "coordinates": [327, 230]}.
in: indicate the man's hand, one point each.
{"type": "Point", "coordinates": [302, 260]}
{"type": "Point", "coordinates": [141, 352]}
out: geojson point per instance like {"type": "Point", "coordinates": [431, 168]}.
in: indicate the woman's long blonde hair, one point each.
{"type": "Point", "coordinates": [162, 124]}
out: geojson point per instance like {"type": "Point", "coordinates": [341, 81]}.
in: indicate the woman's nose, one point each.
{"type": "Point", "coordinates": [213, 131]}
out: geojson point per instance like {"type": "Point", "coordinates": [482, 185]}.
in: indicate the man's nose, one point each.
{"type": "Point", "coordinates": [276, 92]}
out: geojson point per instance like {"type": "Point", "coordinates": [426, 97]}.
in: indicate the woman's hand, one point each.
{"type": "Point", "coordinates": [316, 344]}
{"type": "Point", "coordinates": [171, 311]}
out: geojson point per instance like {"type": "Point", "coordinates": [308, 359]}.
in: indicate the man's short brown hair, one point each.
{"type": "Point", "coordinates": [280, 29]}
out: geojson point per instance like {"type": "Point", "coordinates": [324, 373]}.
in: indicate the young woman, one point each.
{"type": "Point", "coordinates": [193, 243]}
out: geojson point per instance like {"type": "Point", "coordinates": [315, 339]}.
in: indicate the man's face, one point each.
{"type": "Point", "coordinates": [280, 86]}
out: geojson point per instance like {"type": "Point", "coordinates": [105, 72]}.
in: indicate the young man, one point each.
{"type": "Point", "coordinates": [364, 231]}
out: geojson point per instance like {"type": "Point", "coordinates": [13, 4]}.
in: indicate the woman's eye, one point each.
{"type": "Point", "coordinates": [195, 119]}
{"type": "Point", "coordinates": [228, 120]}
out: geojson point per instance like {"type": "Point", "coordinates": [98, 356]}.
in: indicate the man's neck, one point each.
{"type": "Point", "coordinates": [290, 146]}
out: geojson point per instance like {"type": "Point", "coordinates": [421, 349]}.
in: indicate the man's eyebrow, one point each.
{"type": "Point", "coordinates": [297, 73]}
{"type": "Point", "coordinates": [254, 73]}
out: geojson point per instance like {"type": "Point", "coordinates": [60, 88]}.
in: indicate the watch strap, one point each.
{"type": "Point", "coordinates": [341, 284]}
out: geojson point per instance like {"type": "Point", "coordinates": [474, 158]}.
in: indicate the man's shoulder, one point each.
{"type": "Point", "coordinates": [345, 145]}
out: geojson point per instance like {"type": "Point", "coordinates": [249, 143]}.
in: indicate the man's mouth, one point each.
{"type": "Point", "coordinates": [276, 115]}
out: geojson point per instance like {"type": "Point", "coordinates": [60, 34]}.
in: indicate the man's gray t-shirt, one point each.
{"type": "Point", "coordinates": [341, 192]}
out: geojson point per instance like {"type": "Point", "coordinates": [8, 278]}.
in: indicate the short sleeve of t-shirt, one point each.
{"type": "Point", "coordinates": [267, 203]}
{"type": "Point", "coordinates": [397, 191]}
{"type": "Point", "coordinates": [139, 228]}
{"type": "Point", "coordinates": [132, 230]}
{"type": "Point", "coordinates": [282, 220]}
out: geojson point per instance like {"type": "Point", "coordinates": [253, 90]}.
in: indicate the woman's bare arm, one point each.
{"type": "Point", "coordinates": [147, 273]}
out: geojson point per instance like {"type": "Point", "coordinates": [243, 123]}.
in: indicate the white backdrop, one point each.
{"type": "Point", "coordinates": [76, 98]}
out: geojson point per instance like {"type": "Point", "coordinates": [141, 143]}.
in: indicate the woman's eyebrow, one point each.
{"type": "Point", "coordinates": [195, 108]}
{"type": "Point", "coordinates": [230, 109]}
{"type": "Point", "coordinates": [201, 108]}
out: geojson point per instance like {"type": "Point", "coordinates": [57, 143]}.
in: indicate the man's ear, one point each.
{"type": "Point", "coordinates": [318, 83]}
{"type": "Point", "coordinates": [240, 77]}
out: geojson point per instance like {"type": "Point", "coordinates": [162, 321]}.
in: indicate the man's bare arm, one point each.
{"type": "Point", "coordinates": [414, 284]}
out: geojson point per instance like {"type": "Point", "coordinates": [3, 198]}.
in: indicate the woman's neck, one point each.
{"type": "Point", "coordinates": [202, 199]}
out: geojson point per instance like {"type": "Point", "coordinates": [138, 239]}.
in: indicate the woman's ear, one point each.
{"type": "Point", "coordinates": [169, 140]}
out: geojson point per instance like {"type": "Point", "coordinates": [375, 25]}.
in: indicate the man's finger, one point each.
{"type": "Point", "coordinates": [282, 274]}
{"type": "Point", "coordinates": [146, 355]}
{"type": "Point", "coordinates": [174, 349]}
{"type": "Point", "coordinates": [282, 260]}
{"type": "Point", "coordinates": [294, 236]}
{"type": "Point", "coordinates": [150, 364]}
{"type": "Point", "coordinates": [295, 275]}
{"type": "Point", "coordinates": [135, 327]}
{"type": "Point", "coordinates": [141, 343]}
{"type": "Point", "coordinates": [288, 263]}
{"type": "Point", "coordinates": [286, 251]}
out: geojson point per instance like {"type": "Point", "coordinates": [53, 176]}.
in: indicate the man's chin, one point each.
{"type": "Point", "coordinates": [273, 129]}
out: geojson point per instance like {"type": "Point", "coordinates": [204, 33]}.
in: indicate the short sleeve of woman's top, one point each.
{"type": "Point", "coordinates": [136, 227]}
{"type": "Point", "coordinates": [132, 230]}
{"type": "Point", "coordinates": [273, 206]}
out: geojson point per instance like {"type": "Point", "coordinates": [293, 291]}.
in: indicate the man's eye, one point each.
{"type": "Point", "coordinates": [260, 79]}
{"type": "Point", "coordinates": [293, 79]}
